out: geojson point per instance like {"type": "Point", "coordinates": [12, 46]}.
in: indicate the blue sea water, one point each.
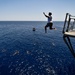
{"type": "Point", "coordinates": [27, 52]}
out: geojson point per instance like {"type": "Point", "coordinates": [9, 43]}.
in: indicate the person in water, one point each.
{"type": "Point", "coordinates": [49, 23]}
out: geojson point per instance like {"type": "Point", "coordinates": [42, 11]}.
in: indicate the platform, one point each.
{"type": "Point", "coordinates": [70, 33]}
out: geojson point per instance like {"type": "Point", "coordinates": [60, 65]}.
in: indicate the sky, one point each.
{"type": "Point", "coordinates": [32, 10]}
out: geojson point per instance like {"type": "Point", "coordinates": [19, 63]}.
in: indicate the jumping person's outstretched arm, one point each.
{"type": "Point", "coordinates": [45, 14]}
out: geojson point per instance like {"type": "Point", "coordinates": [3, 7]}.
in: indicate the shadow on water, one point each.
{"type": "Point", "coordinates": [69, 44]}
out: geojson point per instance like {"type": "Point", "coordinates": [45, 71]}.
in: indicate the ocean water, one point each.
{"type": "Point", "coordinates": [27, 52]}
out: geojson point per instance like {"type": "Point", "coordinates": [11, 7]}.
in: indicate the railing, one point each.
{"type": "Point", "coordinates": [69, 23]}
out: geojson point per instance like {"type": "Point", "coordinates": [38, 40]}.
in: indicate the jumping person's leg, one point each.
{"type": "Point", "coordinates": [46, 28]}
{"type": "Point", "coordinates": [51, 24]}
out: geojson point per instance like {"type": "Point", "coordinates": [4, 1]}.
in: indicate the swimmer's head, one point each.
{"type": "Point", "coordinates": [34, 29]}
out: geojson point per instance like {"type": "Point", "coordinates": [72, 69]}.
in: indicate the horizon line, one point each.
{"type": "Point", "coordinates": [28, 20]}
